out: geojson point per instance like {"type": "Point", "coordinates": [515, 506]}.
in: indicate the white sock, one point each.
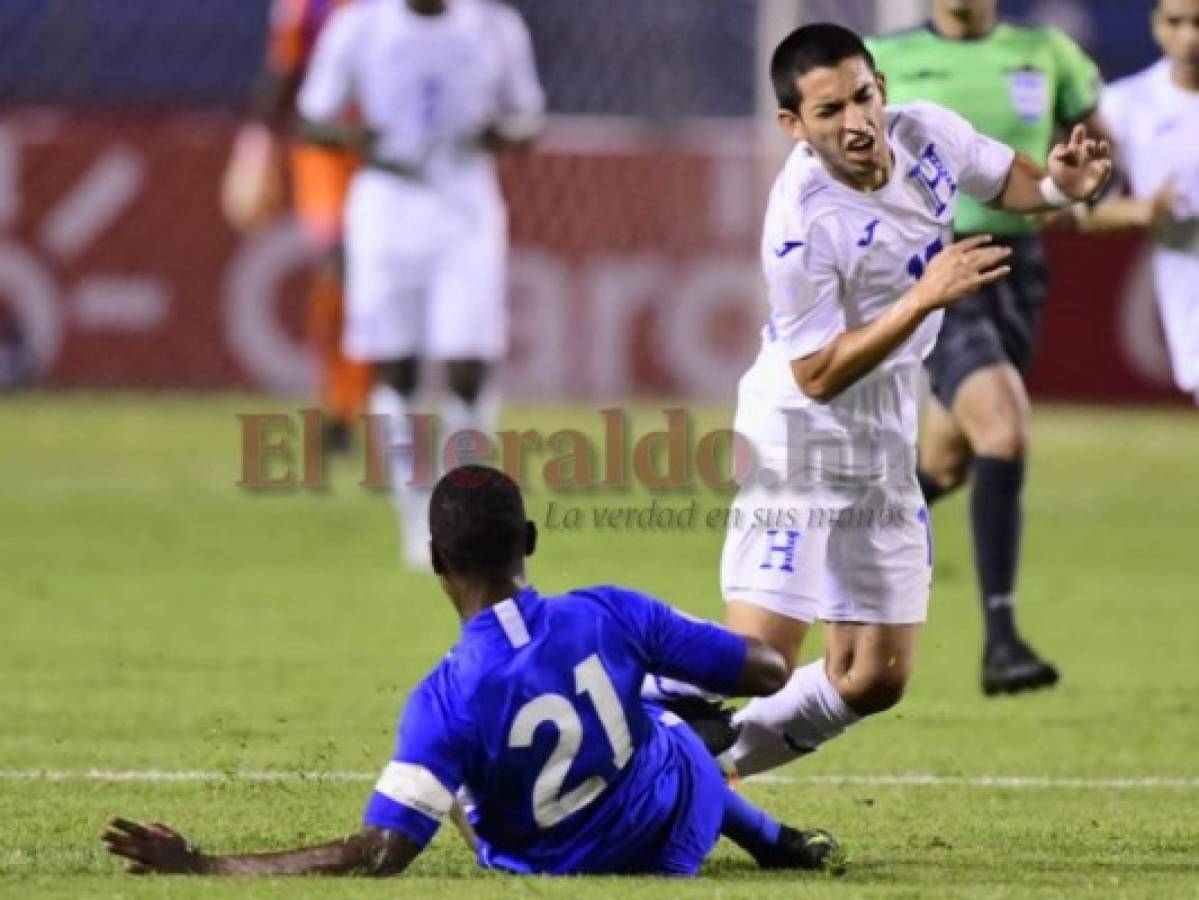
{"type": "Point", "coordinates": [412, 501]}
{"type": "Point", "coordinates": [458, 416]}
{"type": "Point", "coordinates": [661, 689]}
{"type": "Point", "coordinates": [791, 723]}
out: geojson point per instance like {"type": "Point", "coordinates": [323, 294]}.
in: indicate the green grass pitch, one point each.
{"type": "Point", "coordinates": [155, 617]}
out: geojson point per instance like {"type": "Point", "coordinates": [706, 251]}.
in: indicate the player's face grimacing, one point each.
{"type": "Point", "coordinates": [967, 11]}
{"type": "Point", "coordinates": [841, 117]}
{"type": "Point", "coordinates": [1176, 28]}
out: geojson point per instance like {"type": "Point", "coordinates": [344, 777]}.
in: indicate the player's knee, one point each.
{"type": "Point", "coordinates": [401, 375]}
{"type": "Point", "coordinates": [873, 690]}
{"type": "Point", "coordinates": [1004, 438]}
{"type": "Point", "coordinates": [947, 471]}
{"type": "Point", "coordinates": [466, 377]}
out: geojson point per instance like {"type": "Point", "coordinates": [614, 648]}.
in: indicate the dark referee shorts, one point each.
{"type": "Point", "coordinates": [999, 324]}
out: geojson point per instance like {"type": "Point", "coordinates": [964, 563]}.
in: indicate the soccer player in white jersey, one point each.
{"type": "Point", "coordinates": [859, 264]}
{"type": "Point", "coordinates": [429, 90]}
{"type": "Point", "coordinates": [1153, 117]}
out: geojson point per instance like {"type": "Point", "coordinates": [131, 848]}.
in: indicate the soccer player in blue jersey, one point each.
{"type": "Point", "coordinates": [535, 722]}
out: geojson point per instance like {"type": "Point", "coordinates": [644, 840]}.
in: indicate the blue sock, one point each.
{"type": "Point", "coordinates": [748, 827]}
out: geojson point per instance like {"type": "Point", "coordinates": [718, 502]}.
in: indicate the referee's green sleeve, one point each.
{"type": "Point", "coordinates": [1078, 83]}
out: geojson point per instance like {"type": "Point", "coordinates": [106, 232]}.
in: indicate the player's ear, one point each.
{"type": "Point", "coordinates": [880, 78]}
{"type": "Point", "coordinates": [530, 538]}
{"type": "Point", "coordinates": [791, 123]}
{"type": "Point", "coordinates": [435, 558]}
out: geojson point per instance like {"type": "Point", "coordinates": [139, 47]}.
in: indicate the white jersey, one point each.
{"type": "Point", "coordinates": [836, 258]}
{"type": "Point", "coordinates": [1155, 124]}
{"type": "Point", "coordinates": [428, 86]}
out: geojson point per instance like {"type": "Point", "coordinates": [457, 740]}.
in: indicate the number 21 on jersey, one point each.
{"type": "Point", "coordinates": [550, 805]}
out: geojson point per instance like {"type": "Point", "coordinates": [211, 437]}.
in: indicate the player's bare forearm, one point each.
{"type": "Point", "coordinates": [852, 355]}
{"type": "Point", "coordinates": [1022, 191]}
{"type": "Point", "coordinates": [152, 847]}
{"type": "Point", "coordinates": [956, 272]}
{"type": "Point", "coordinates": [373, 852]}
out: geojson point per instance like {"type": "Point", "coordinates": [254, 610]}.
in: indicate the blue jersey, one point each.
{"type": "Point", "coordinates": [537, 711]}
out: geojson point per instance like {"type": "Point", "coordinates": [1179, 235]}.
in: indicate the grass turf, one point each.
{"type": "Point", "coordinates": [157, 617]}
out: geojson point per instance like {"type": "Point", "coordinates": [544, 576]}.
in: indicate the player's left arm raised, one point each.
{"type": "Point", "coordinates": [151, 847]}
{"type": "Point", "coordinates": [1078, 171]}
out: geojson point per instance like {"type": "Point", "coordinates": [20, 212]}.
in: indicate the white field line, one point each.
{"type": "Point", "coordinates": [914, 779]}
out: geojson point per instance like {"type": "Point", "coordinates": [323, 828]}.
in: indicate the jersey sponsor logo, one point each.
{"type": "Point", "coordinates": [786, 247]}
{"type": "Point", "coordinates": [867, 237]}
{"type": "Point", "coordinates": [1029, 89]}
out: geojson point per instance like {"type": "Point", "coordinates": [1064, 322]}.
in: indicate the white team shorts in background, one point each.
{"type": "Point", "coordinates": [814, 555]}
{"type": "Point", "coordinates": [423, 277]}
{"type": "Point", "coordinates": [1177, 277]}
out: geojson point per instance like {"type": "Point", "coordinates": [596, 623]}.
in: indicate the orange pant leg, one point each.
{"type": "Point", "coordinates": [320, 183]}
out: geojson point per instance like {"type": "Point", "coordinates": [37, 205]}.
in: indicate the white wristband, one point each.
{"type": "Point", "coordinates": [1054, 195]}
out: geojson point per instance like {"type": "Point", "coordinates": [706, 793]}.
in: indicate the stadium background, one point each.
{"type": "Point", "coordinates": [634, 225]}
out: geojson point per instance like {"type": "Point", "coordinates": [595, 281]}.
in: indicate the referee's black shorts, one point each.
{"type": "Point", "coordinates": [999, 324]}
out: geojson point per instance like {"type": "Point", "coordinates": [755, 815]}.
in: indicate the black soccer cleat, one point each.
{"type": "Point", "coordinates": [814, 850]}
{"type": "Point", "coordinates": [710, 721]}
{"type": "Point", "coordinates": [1013, 667]}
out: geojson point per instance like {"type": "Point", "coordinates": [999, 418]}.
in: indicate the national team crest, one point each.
{"type": "Point", "coordinates": [1030, 93]}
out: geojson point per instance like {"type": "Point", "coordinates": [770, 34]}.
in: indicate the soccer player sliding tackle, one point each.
{"type": "Point", "coordinates": [536, 714]}
{"type": "Point", "coordinates": [860, 262]}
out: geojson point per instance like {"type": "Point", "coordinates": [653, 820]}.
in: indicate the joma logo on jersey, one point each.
{"type": "Point", "coordinates": [933, 178]}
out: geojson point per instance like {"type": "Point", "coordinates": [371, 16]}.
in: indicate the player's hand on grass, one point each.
{"type": "Point", "coordinates": [152, 847]}
{"type": "Point", "coordinates": [1082, 166]}
{"type": "Point", "coordinates": [959, 270]}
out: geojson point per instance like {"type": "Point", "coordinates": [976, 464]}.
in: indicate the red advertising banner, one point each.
{"type": "Point", "coordinates": [634, 268]}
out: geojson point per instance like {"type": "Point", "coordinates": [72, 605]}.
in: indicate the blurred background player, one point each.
{"type": "Point", "coordinates": [1154, 116]}
{"type": "Point", "coordinates": [1017, 85]}
{"type": "Point", "coordinates": [441, 86]}
{"type": "Point", "coordinates": [253, 191]}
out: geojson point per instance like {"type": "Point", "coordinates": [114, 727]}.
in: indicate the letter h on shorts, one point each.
{"type": "Point", "coordinates": [784, 548]}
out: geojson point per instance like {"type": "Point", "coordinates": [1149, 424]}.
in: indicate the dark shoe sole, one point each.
{"type": "Point", "coordinates": [1034, 681]}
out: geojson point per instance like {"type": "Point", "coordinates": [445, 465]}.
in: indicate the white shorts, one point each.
{"type": "Point", "coordinates": [423, 278]}
{"type": "Point", "coordinates": [807, 555]}
{"type": "Point", "coordinates": [1177, 277]}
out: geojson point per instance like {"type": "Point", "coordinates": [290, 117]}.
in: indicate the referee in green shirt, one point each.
{"type": "Point", "coordinates": [1017, 85]}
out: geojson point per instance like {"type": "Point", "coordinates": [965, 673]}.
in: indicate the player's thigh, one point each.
{"type": "Point", "coordinates": [772, 568]}
{"type": "Point", "coordinates": [991, 407]}
{"type": "Point", "coordinates": [878, 561]}
{"type": "Point", "coordinates": [783, 633]}
{"type": "Point", "coordinates": [468, 311]}
{"type": "Point", "coordinates": [945, 452]}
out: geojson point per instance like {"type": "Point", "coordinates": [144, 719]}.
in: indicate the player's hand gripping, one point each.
{"type": "Point", "coordinates": [1081, 167]}
{"type": "Point", "coordinates": [152, 847]}
{"type": "Point", "coordinates": [959, 270]}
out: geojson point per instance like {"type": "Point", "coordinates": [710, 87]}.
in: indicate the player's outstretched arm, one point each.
{"type": "Point", "coordinates": [1078, 171]}
{"type": "Point", "coordinates": [956, 272]}
{"type": "Point", "coordinates": [1127, 213]}
{"type": "Point", "coordinates": [151, 847]}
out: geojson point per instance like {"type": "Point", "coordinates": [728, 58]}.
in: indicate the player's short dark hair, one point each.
{"type": "Point", "coordinates": [807, 48]}
{"type": "Point", "coordinates": [477, 520]}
